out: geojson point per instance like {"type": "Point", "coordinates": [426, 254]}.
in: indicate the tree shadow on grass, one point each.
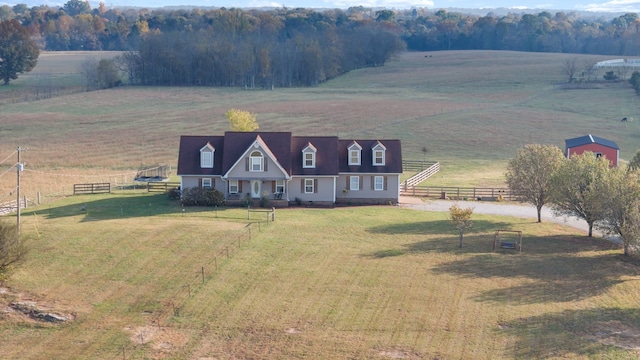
{"type": "Point", "coordinates": [593, 333]}
{"type": "Point", "coordinates": [101, 207]}
{"type": "Point", "coordinates": [436, 227]}
{"type": "Point", "coordinates": [560, 276]}
{"type": "Point", "coordinates": [474, 239]}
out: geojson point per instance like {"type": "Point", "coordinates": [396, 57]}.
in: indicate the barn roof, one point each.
{"type": "Point", "coordinates": [590, 139]}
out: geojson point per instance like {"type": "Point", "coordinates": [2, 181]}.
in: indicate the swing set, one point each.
{"type": "Point", "coordinates": [515, 244]}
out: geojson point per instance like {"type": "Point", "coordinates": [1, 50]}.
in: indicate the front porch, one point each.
{"type": "Point", "coordinates": [277, 200]}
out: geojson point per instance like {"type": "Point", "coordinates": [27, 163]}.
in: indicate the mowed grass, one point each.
{"type": "Point", "coordinates": [343, 283]}
{"type": "Point", "coordinates": [471, 110]}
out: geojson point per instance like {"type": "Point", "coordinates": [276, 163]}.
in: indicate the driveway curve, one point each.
{"type": "Point", "coordinates": [493, 208]}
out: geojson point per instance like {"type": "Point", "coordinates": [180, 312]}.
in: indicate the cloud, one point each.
{"type": "Point", "coordinates": [612, 6]}
{"type": "Point", "coordinates": [389, 4]}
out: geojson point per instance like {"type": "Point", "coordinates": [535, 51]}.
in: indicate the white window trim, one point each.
{"type": "Point", "coordinates": [207, 183]}
{"type": "Point", "coordinates": [376, 158]}
{"type": "Point", "coordinates": [379, 179]}
{"type": "Point", "coordinates": [280, 186]}
{"type": "Point", "coordinates": [233, 183]}
{"type": "Point", "coordinates": [354, 183]}
{"type": "Point", "coordinates": [204, 162]}
{"type": "Point", "coordinates": [355, 149]}
{"type": "Point", "coordinates": [304, 159]}
{"type": "Point", "coordinates": [255, 160]}
{"type": "Point", "coordinates": [378, 148]}
{"type": "Point", "coordinates": [309, 183]}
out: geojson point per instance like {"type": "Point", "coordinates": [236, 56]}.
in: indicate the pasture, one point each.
{"type": "Point", "coordinates": [137, 277]}
{"type": "Point", "coordinates": [470, 110]}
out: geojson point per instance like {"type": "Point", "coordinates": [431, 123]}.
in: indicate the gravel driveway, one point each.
{"type": "Point", "coordinates": [494, 208]}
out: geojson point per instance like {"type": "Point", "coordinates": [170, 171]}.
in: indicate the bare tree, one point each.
{"type": "Point", "coordinates": [570, 68]}
{"type": "Point", "coordinates": [589, 69]}
{"type": "Point", "coordinates": [90, 74]}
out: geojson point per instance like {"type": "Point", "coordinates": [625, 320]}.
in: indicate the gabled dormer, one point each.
{"type": "Point", "coordinates": [309, 156]}
{"type": "Point", "coordinates": [379, 152]}
{"type": "Point", "coordinates": [206, 156]}
{"type": "Point", "coordinates": [355, 154]}
{"type": "Point", "coordinates": [257, 160]}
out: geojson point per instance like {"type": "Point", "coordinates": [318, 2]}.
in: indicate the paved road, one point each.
{"type": "Point", "coordinates": [493, 208]}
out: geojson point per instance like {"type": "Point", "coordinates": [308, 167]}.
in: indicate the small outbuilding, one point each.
{"type": "Point", "coordinates": [597, 145]}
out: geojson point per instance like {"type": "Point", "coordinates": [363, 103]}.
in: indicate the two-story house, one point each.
{"type": "Point", "coordinates": [322, 170]}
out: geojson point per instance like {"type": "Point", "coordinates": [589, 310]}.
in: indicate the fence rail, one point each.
{"type": "Point", "coordinates": [462, 193]}
{"type": "Point", "coordinates": [420, 177]}
{"type": "Point", "coordinates": [94, 188]}
{"type": "Point", "coordinates": [10, 206]}
{"type": "Point", "coordinates": [161, 186]}
{"type": "Point", "coordinates": [416, 165]}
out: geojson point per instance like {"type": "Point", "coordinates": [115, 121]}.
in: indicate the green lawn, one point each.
{"type": "Point", "coordinates": [345, 283]}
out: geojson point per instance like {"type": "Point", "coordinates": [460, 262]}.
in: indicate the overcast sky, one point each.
{"type": "Point", "coordinates": [568, 5]}
{"type": "Point", "coordinates": [533, 5]}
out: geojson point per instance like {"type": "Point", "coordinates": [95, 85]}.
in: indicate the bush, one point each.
{"type": "Point", "coordinates": [12, 251]}
{"type": "Point", "coordinates": [264, 202]}
{"type": "Point", "coordinates": [197, 196]}
{"type": "Point", "coordinates": [247, 200]}
{"type": "Point", "coordinates": [174, 194]}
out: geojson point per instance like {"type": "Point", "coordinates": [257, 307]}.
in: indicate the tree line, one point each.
{"type": "Point", "coordinates": [297, 47]}
{"type": "Point", "coordinates": [76, 26]}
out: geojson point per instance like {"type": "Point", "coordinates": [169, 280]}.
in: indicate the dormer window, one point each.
{"type": "Point", "coordinates": [378, 154]}
{"type": "Point", "coordinates": [206, 156]}
{"type": "Point", "coordinates": [354, 153]}
{"type": "Point", "coordinates": [309, 156]}
{"type": "Point", "coordinates": [256, 161]}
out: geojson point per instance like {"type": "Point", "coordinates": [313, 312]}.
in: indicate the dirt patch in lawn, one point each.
{"type": "Point", "coordinates": [616, 333]}
{"type": "Point", "coordinates": [17, 307]}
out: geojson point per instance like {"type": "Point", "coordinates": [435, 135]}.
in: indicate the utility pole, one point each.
{"type": "Point", "coordinates": [19, 167]}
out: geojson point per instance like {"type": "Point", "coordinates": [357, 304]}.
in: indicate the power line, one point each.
{"type": "Point", "coordinates": [7, 158]}
{"type": "Point", "coordinates": [77, 175]}
{"type": "Point", "coordinates": [9, 169]}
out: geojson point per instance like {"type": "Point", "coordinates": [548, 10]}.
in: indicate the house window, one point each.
{"type": "Point", "coordinates": [256, 162]}
{"type": "Point", "coordinates": [309, 156]}
{"type": "Point", "coordinates": [378, 157]}
{"type": "Point", "coordinates": [309, 186]}
{"type": "Point", "coordinates": [354, 153]}
{"type": "Point", "coordinates": [378, 154]}
{"type": "Point", "coordinates": [280, 186]}
{"type": "Point", "coordinates": [598, 155]}
{"type": "Point", "coordinates": [233, 187]}
{"type": "Point", "coordinates": [309, 160]}
{"type": "Point", "coordinates": [378, 183]}
{"type": "Point", "coordinates": [354, 183]}
{"type": "Point", "coordinates": [206, 156]}
{"type": "Point", "coordinates": [206, 183]}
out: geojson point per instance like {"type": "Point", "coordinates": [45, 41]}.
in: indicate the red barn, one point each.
{"type": "Point", "coordinates": [597, 145]}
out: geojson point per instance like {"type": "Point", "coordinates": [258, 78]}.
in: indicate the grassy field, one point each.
{"type": "Point", "coordinates": [471, 110]}
{"type": "Point", "coordinates": [344, 283]}
{"type": "Point", "coordinates": [141, 278]}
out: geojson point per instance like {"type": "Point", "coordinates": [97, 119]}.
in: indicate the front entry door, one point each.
{"type": "Point", "coordinates": [256, 188]}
